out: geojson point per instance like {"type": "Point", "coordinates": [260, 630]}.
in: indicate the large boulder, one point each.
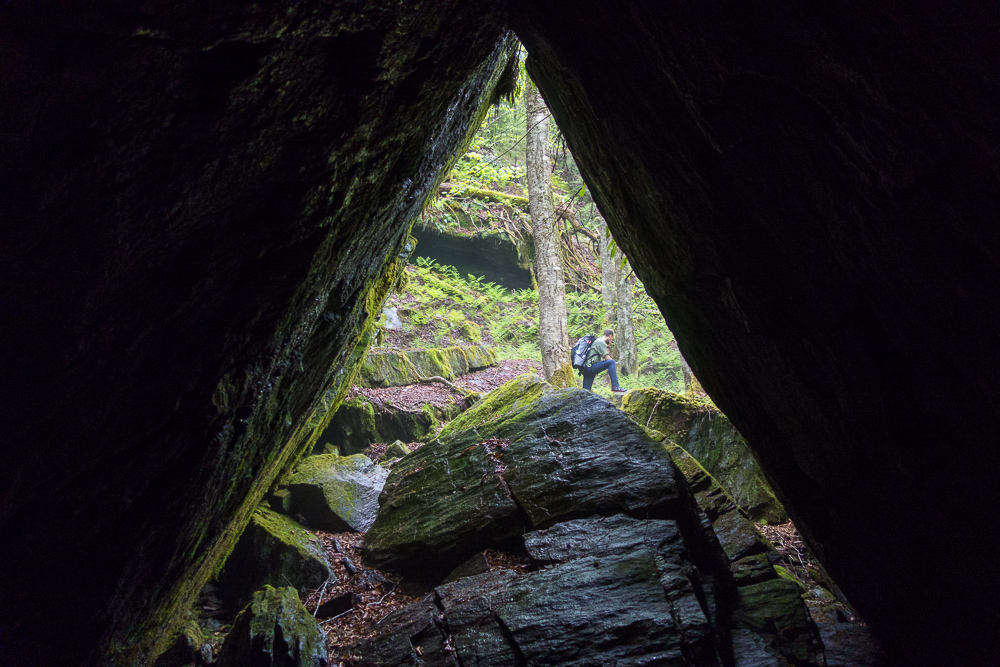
{"type": "Point", "coordinates": [711, 439]}
{"type": "Point", "coordinates": [524, 453]}
{"type": "Point", "coordinates": [772, 625]}
{"type": "Point", "coordinates": [274, 630]}
{"type": "Point", "coordinates": [810, 195]}
{"type": "Point", "coordinates": [203, 209]}
{"type": "Point", "coordinates": [613, 591]}
{"type": "Point", "coordinates": [274, 550]}
{"type": "Point", "coordinates": [387, 369]}
{"type": "Point", "coordinates": [337, 493]}
{"type": "Point", "coordinates": [677, 559]}
{"type": "Point", "coordinates": [359, 423]}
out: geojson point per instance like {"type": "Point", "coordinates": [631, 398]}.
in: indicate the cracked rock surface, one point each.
{"type": "Point", "coordinates": [563, 455]}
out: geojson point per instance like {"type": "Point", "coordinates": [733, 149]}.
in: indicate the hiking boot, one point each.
{"type": "Point", "coordinates": [618, 391]}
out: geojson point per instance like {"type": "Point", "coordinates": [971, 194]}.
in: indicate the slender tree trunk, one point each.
{"type": "Point", "coordinates": [609, 277]}
{"type": "Point", "coordinates": [628, 352]}
{"type": "Point", "coordinates": [688, 375]}
{"type": "Point", "coordinates": [552, 334]}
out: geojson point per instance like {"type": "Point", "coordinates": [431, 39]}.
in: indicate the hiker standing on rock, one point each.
{"type": "Point", "coordinates": [599, 360]}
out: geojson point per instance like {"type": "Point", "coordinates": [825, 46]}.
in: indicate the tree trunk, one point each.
{"type": "Point", "coordinates": [552, 334]}
{"type": "Point", "coordinates": [609, 275]}
{"type": "Point", "coordinates": [628, 352]}
{"type": "Point", "coordinates": [688, 375]}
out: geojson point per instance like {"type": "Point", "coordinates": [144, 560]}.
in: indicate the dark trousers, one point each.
{"type": "Point", "coordinates": [590, 373]}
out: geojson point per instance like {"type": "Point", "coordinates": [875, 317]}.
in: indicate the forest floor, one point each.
{"type": "Point", "coordinates": [414, 396]}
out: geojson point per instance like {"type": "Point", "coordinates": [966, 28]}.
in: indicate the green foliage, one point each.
{"type": "Point", "coordinates": [485, 194]}
{"type": "Point", "coordinates": [481, 167]}
{"type": "Point", "coordinates": [439, 301]}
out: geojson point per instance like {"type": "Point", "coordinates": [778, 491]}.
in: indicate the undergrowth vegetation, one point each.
{"type": "Point", "coordinates": [485, 196]}
{"type": "Point", "coordinates": [439, 307]}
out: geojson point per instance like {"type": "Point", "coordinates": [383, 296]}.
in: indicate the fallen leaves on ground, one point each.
{"type": "Point", "coordinates": [414, 396]}
{"type": "Point", "coordinates": [488, 379]}
{"type": "Point", "coordinates": [374, 594]}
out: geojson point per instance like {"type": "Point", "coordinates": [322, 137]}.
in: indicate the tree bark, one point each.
{"type": "Point", "coordinates": [552, 329]}
{"type": "Point", "coordinates": [627, 350]}
{"type": "Point", "coordinates": [609, 277]}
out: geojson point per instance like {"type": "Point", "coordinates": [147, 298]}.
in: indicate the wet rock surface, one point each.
{"type": "Point", "coordinates": [336, 493]}
{"type": "Point", "coordinates": [510, 462]}
{"type": "Point", "coordinates": [619, 595]}
{"type": "Point", "coordinates": [651, 577]}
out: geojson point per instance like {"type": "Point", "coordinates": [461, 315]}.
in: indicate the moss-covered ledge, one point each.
{"type": "Point", "coordinates": [398, 368]}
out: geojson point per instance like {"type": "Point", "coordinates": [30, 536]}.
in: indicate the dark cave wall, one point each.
{"type": "Point", "coordinates": [202, 204]}
{"type": "Point", "coordinates": [491, 257]}
{"type": "Point", "coordinates": [812, 194]}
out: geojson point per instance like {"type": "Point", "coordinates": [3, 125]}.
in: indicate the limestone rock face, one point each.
{"type": "Point", "coordinates": [709, 437]}
{"type": "Point", "coordinates": [810, 196]}
{"type": "Point", "coordinates": [337, 493]}
{"type": "Point", "coordinates": [274, 629]}
{"type": "Point", "coordinates": [273, 550]}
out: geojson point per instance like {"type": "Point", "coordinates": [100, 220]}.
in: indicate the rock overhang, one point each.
{"type": "Point", "coordinates": [808, 197]}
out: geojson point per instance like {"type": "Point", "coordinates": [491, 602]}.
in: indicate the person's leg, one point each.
{"type": "Point", "coordinates": [590, 373]}
{"type": "Point", "coordinates": [614, 374]}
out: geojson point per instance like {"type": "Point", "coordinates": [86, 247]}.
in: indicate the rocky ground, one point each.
{"type": "Point", "coordinates": [478, 552]}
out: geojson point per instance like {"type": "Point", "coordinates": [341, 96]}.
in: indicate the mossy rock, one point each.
{"type": "Point", "coordinates": [280, 500]}
{"type": "Point", "coordinates": [471, 331]}
{"type": "Point", "coordinates": [337, 493]}
{"type": "Point", "coordinates": [662, 411]}
{"type": "Point", "coordinates": [186, 648]}
{"type": "Point", "coordinates": [774, 610]}
{"type": "Point", "coordinates": [708, 493]}
{"type": "Point", "coordinates": [525, 451]}
{"type": "Point", "coordinates": [351, 429]}
{"type": "Point", "coordinates": [457, 359]}
{"type": "Point", "coordinates": [713, 441]}
{"type": "Point", "coordinates": [274, 629]}
{"type": "Point", "coordinates": [480, 357]}
{"type": "Point", "coordinates": [718, 446]}
{"type": "Point", "coordinates": [396, 450]}
{"type": "Point", "coordinates": [431, 362]}
{"type": "Point", "coordinates": [521, 391]}
{"type": "Point", "coordinates": [564, 377]}
{"type": "Point", "coordinates": [387, 369]}
{"type": "Point", "coordinates": [275, 550]}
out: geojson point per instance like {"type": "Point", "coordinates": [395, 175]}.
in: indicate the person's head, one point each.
{"type": "Point", "coordinates": [608, 335]}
